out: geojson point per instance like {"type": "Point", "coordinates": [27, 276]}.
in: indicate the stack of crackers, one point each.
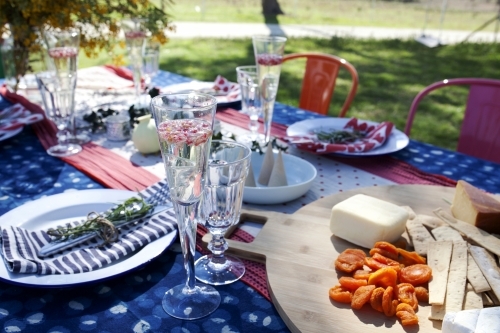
{"type": "Point", "coordinates": [464, 261]}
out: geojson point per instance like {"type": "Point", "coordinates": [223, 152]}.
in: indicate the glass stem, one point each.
{"type": "Point", "coordinates": [218, 246]}
{"type": "Point", "coordinates": [186, 217]}
{"type": "Point", "coordinates": [267, 113]}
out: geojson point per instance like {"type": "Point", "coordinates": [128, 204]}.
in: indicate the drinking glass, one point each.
{"type": "Point", "coordinates": [135, 38]}
{"type": "Point", "coordinates": [151, 61]}
{"type": "Point", "coordinates": [184, 124]}
{"type": "Point", "coordinates": [62, 48]}
{"type": "Point", "coordinates": [58, 104]}
{"type": "Point", "coordinates": [268, 52]}
{"type": "Point", "coordinates": [220, 208]}
{"type": "Point", "coordinates": [250, 102]}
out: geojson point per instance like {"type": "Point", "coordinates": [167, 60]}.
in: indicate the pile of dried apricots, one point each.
{"type": "Point", "coordinates": [392, 281]}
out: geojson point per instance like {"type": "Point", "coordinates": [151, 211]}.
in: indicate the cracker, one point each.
{"type": "Point", "coordinates": [446, 233]}
{"type": "Point", "coordinates": [438, 259]}
{"type": "Point", "coordinates": [487, 301]}
{"type": "Point", "coordinates": [430, 221]}
{"type": "Point", "coordinates": [457, 278]}
{"type": "Point", "coordinates": [488, 267]}
{"type": "Point", "coordinates": [475, 276]}
{"type": "Point", "coordinates": [419, 236]}
{"type": "Point", "coordinates": [481, 237]}
{"type": "Point", "coordinates": [472, 300]}
{"type": "Point", "coordinates": [437, 312]}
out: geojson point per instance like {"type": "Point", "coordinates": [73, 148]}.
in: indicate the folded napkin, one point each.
{"type": "Point", "coordinates": [375, 136]}
{"type": "Point", "coordinates": [105, 78]}
{"type": "Point", "coordinates": [20, 246]}
{"type": "Point", "coordinates": [16, 116]}
{"type": "Point", "coordinates": [227, 88]}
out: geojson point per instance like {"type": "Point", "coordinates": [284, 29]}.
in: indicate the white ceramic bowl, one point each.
{"type": "Point", "coordinates": [300, 175]}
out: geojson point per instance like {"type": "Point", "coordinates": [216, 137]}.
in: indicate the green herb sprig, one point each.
{"type": "Point", "coordinates": [337, 136]}
{"type": "Point", "coordinates": [104, 224]}
{"type": "Point", "coordinates": [274, 144]}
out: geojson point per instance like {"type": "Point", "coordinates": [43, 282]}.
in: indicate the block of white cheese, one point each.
{"type": "Point", "coordinates": [488, 320]}
{"type": "Point", "coordinates": [461, 321]}
{"type": "Point", "coordinates": [365, 220]}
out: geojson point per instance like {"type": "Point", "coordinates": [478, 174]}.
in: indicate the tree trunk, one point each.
{"type": "Point", "coordinates": [271, 7]}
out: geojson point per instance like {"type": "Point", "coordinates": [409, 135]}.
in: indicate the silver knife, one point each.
{"type": "Point", "coordinates": [56, 246]}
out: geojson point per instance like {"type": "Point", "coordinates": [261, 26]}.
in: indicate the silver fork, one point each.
{"type": "Point", "coordinates": [158, 200]}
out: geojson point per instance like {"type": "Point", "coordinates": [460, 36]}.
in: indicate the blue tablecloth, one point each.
{"type": "Point", "coordinates": [132, 302]}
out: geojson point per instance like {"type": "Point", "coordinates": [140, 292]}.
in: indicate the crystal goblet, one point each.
{"type": "Point", "coordinates": [269, 52]}
{"type": "Point", "coordinates": [184, 124]}
{"type": "Point", "coordinates": [221, 204]}
{"type": "Point", "coordinates": [62, 48]}
{"type": "Point", "coordinates": [250, 102]}
{"type": "Point", "coordinates": [58, 104]}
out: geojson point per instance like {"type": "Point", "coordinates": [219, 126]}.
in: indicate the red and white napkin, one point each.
{"type": "Point", "coordinates": [227, 88]}
{"type": "Point", "coordinates": [16, 117]}
{"type": "Point", "coordinates": [375, 136]}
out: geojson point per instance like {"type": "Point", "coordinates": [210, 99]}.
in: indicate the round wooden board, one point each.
{"type": "Point", "coordinates": [300, 252]}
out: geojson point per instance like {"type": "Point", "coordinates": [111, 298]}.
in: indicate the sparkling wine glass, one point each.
{"type": "Point", "coordinates": [250, 102]}
{"type": "Point", "coordinates": [220, 208]}
{"type": "Point", "coordinates": [58, 104]}
{"type": "Point", "coordinates": [135, 39]}
{"type": "Point", "coordinates": [268, 57]}
{"type": "Point", "coordinates": [184, 124]}
{"type": "Point", "coordinates": [151, 61]}
{"type": "Point", "coordinates": [62, 48]}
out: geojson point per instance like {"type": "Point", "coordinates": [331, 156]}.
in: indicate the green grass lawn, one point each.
{"type": "Point", "coordinates": [460, 15]}
{"type": "Point", "coordinates": [391, 73]}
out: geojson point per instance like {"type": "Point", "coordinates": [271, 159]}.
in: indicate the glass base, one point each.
{"type": "Point", "coordinates": [217, 274]}
{"type": "Point", "coordinates": [64, 150]}
{"type": "Point", "coordinates": [247, 139]}
{"type": "Point", "coordinates": [79, 139]}
{"type": "Point", "coordinates": [189, 305]}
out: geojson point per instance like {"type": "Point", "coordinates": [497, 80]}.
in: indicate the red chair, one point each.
{"type": "Point", "coordinates": [480, 132]}
{"type": "Point", "coordinates": [319, 80]}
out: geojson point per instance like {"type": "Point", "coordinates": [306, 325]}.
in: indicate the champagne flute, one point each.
{"type": "Point", "coordinates": [62, 48]}
{"type": "Point", "coordinates": [58, 105]}
{"type": "Point", "coordinates": [221, 204]}
{"type": "Point", "coordinates": [268, 52]}
{"type": "Point", "coordinates": [250, 102]}
{"type": "Point", "coordinates": [184, 124]}
{"type": "Point", "coordinates": [135, 39]}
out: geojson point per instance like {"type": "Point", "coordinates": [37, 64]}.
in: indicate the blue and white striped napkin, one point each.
{"type": "Point", "coordinates": [20, 246]}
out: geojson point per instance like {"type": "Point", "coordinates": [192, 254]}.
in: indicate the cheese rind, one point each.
{"type": "Point", "coordinates": [365, 220]}
{"type": "Point", "coordinates": [476, 207]}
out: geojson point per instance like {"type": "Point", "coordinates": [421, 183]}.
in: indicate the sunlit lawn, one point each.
{"type": "Point", "coordinates": [391, 73]}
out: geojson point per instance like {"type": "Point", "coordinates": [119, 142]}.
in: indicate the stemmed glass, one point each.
{"type": "Point", "coordinates": [135, 39]}
{"type": "Point", "coordinates": [221, 204]}
{"type": "Point", "coordinates": [184, 124]}
{"type": "Point", "coordinates": [250, 102]}
{"type": "Point", "coordinates": [151, 61]}
{"type": "Point", "coordinates": [268, 57]}
{"type": "Point", "coordinates": [62, 48]}
{"type": "Point", "coordinates": [58, 104]}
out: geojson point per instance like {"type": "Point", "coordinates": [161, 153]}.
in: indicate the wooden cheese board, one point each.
{"type": "Point", "coordinates": [299, 252]}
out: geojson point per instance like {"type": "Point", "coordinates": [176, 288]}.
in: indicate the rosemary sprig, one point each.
{"type": "Point", "coordinates": [339, 136]}
{"type": "Point", "coordinates": [104, 224]}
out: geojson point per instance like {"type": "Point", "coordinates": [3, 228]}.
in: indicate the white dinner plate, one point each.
{"type": "Point", "coordinates": [201, 86]}
{"type": "Point", "coordinates": [396, 141]}
{"type": "Point", "coordinates": [300, 175]}
{"type": "Point", "coordinates": [65, 207]}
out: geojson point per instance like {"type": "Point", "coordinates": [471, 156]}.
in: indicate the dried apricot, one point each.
{"type": "Point", "coordinates": [340, 294]}
{"type": "Point", "coordinates": [361, 296]}
{"type": "Point", "coordinates": [406, 294]}
{"type": "Point", "coordinates": [387, 261]}
{"type": "Point", "coordinates": [384, 277]}
{"type": "Point", "coordinates": [422, 294]}
{"type": "Point", "coordinates": [374, 264]}
{"type": "Point", "coordinates": [376, 299]}
{"type": "Point", "coordinates": [350, 260]}
{"type": "Point", "coordinates": [410, 258]}
{"type": "Point", "coordinates": [361, 274]}
{"type": "Point", "coordinates": [386, 249]}
{"type": "Point", "coordinates": [389, 304]}
{"type": "Point", "coordinates": [351, 283]}
{"type": "Point", "coordinates": [415, 274]}
{"type": "Point", "coordinates": [406, 314]}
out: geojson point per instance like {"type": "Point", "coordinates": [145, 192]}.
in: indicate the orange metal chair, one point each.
{"type": "Point", "coordinates": [319, 80]}
{"type": "Point", "coordinates": [480, 132]}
